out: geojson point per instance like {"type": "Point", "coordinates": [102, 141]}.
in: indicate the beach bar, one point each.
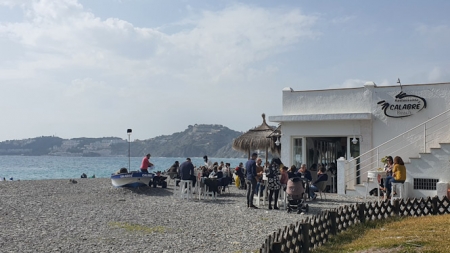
{"type": "Point", "coordinates": [356, 127]}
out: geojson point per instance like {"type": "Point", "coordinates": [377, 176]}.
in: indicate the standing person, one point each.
{"type": "Point", "coordinates": [208, 163]}
{"type": "Point", "coordinates": [250, 168]}
{"type": "Point", "coordinates": [241, 176]}
{"type": "Point", "coordinates": [187, 171]}
{"type": "Point", "coordinates": [259, 180]}
{"type": "Point", "coordinates": [398, 175]}
{"type": "Point", "coordinates": [274, 182]}
{"type": "Point", "coordinates": [146, 163]}
{"type": "Point", "coordinates": [227, 172]}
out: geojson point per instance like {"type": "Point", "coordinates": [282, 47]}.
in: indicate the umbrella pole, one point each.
{"type": "Point", "coordinates": [267, 154]}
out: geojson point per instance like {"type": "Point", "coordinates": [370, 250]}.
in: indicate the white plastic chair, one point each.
{"type": "Point", "coordinates": [398, 188]}
{"type": "Point", "coordinates": [186, 189]}
{"type": "Point", "coordinates": [283, 196]}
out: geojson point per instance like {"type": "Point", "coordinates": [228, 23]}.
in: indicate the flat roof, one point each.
{"type": "Point", "coordinates": [321, 117]}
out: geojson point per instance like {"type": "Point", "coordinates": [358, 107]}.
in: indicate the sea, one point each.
{"type": "Point", "coordinates": [58, 167]}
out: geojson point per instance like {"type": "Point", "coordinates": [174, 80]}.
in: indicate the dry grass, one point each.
{"type": "Point", "coordinates": [411, 234]}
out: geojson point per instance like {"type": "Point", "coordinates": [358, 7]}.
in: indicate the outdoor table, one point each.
{"type": "Point", "coordinates": [373, 175]}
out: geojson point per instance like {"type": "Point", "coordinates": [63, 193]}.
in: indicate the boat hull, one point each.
{"type": "Point", "coordinates": [131, 180]}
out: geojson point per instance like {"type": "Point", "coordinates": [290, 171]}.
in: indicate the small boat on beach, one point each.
{"type": "Point", "coordinates": [132, 179]}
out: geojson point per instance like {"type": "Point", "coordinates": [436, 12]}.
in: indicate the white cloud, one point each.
{"type": "Point", "coordinates": [91, 71]}
{"type": "Point", "coordinates": [349, 83]}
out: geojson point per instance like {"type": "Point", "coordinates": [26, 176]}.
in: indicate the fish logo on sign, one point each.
{"type": "Point", "coordinates": [404, 105]}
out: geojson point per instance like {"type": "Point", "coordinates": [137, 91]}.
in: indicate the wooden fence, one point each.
{"type": "Point", "coordinates": [312, 232]}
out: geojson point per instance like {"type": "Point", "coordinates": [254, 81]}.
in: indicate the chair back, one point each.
{"type": "Point", "coordinates": [322, 185]}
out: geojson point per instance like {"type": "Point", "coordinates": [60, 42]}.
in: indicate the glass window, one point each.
{"type": "Point", "coordinates": [297, 156]}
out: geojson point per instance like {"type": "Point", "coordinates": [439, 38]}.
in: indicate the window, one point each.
{"type": "Point", "coordinates": [425, 183]}
{"type": "Point", "coordinates": [297, 156]}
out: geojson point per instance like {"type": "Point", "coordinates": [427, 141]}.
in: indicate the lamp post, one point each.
{"type": "Point", "coordinates": [129, 131]}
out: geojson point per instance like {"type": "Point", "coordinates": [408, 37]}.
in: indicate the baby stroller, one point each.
{"type": "Point", "coordinates": [296, 196]}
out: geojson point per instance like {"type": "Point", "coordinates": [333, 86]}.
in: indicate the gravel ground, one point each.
{"type": "Point", "coordinates": [93, 216]}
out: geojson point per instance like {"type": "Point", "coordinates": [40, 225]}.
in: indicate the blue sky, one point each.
{"type": "Point", "coordinates": [93, 68]}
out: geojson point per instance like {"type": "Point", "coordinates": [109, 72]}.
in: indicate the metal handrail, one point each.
{"type": "Point", "coordinates": [368, 160]}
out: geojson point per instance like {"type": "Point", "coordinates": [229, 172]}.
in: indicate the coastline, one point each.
{"type": "Point", "coordinates": [93, 216]}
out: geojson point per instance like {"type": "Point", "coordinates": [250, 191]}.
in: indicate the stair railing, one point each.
{"type": "Point", "coordinates": [409, 144]}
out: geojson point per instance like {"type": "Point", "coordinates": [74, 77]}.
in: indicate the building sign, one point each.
{"type": "Point", "coordinates": [403, 106]}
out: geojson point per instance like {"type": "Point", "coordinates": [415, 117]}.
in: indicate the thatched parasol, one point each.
{"type": "Point", "coordinates": [256, 139]}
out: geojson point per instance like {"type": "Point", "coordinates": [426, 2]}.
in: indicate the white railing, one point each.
{"type": "Point", "coordinates": [407, 145]}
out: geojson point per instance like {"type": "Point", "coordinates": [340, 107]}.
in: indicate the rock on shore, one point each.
{"type": "Point", "coordinates": [93, 216]}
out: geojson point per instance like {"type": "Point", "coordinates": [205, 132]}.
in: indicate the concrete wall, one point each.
{"type": "Point", "coordinates": [307, 114]}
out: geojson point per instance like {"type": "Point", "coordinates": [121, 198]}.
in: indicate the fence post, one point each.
{"type": "Point", "coordinates": [362, 217]}
{"type": "Point", "coordinates": [305, 236]}
{"type": "Point", "coordinates": [434, 203]}
{"type": "Point", "coordinates": [276, 247]}
{"type": "Point", "coordinates": [397, 207]}
{"type": "Point", "coordinates": [333, 227]}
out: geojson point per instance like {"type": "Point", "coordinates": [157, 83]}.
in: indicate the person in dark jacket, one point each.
{"type": "Point", "coordinates": [251, 176]}
{"type": "Point", "coordinates": [187, 171]}
{"type": "Point", "coordinates": [321, 176]}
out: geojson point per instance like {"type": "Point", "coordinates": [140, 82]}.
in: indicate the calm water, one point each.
{"type": "Point", "coordinates": [55, 167]}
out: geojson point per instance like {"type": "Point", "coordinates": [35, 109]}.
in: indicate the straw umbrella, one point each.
{"type": "Point", "coordinates": [256, 138]}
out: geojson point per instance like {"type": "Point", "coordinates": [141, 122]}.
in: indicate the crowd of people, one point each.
{"type": "Point", "coordinates": [250, 176]}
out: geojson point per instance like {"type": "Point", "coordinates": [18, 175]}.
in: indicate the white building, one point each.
{"type": "Point", "coordinates": [320, 126]}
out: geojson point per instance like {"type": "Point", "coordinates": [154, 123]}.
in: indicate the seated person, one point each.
{"type": "Point", "coordinates": [304, 173]}
{"type": "Point", "coordinates": [219, 173]}
{"type": "Point", "coordinates": [85, 176]}
{"type": "Point", "coordinates": [398, 175]}
{"type": "Point", "coordinates": [292, 171]}
{"type": "Point", "coordinates": [213, 174]}
{"type": "Point", "coordinates": [284, 177]}
{"type": "Point", "coordinates": [205, 171]}
{"type": "Point", "coordinates": [159, 180]}
{"type": "Point", "coordinates": [173, 172]}
{"type": "Point", "coordinates": [321, 176]}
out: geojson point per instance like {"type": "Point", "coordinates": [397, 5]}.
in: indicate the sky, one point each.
{"type": "Point", "coordinates": [95, 68]}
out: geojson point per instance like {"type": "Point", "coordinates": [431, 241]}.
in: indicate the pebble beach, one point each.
{"type": "Point", "coordinates": [93, 216]}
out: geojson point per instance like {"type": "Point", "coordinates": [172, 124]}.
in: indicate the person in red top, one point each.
{"type": "Point", "coordinates": [146, 164]}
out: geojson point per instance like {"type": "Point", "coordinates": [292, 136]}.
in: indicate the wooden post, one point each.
{"type": "Point", "coordinates": [396, 207]}
{"type": "Point", "coordinates": [305, 236]}
{"type": "Point", "coordinates": [276, 247]}
{"type": "Point", "coordinates": [362, 217]}
{"type": "Point", "coordinates": [333, 228]}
